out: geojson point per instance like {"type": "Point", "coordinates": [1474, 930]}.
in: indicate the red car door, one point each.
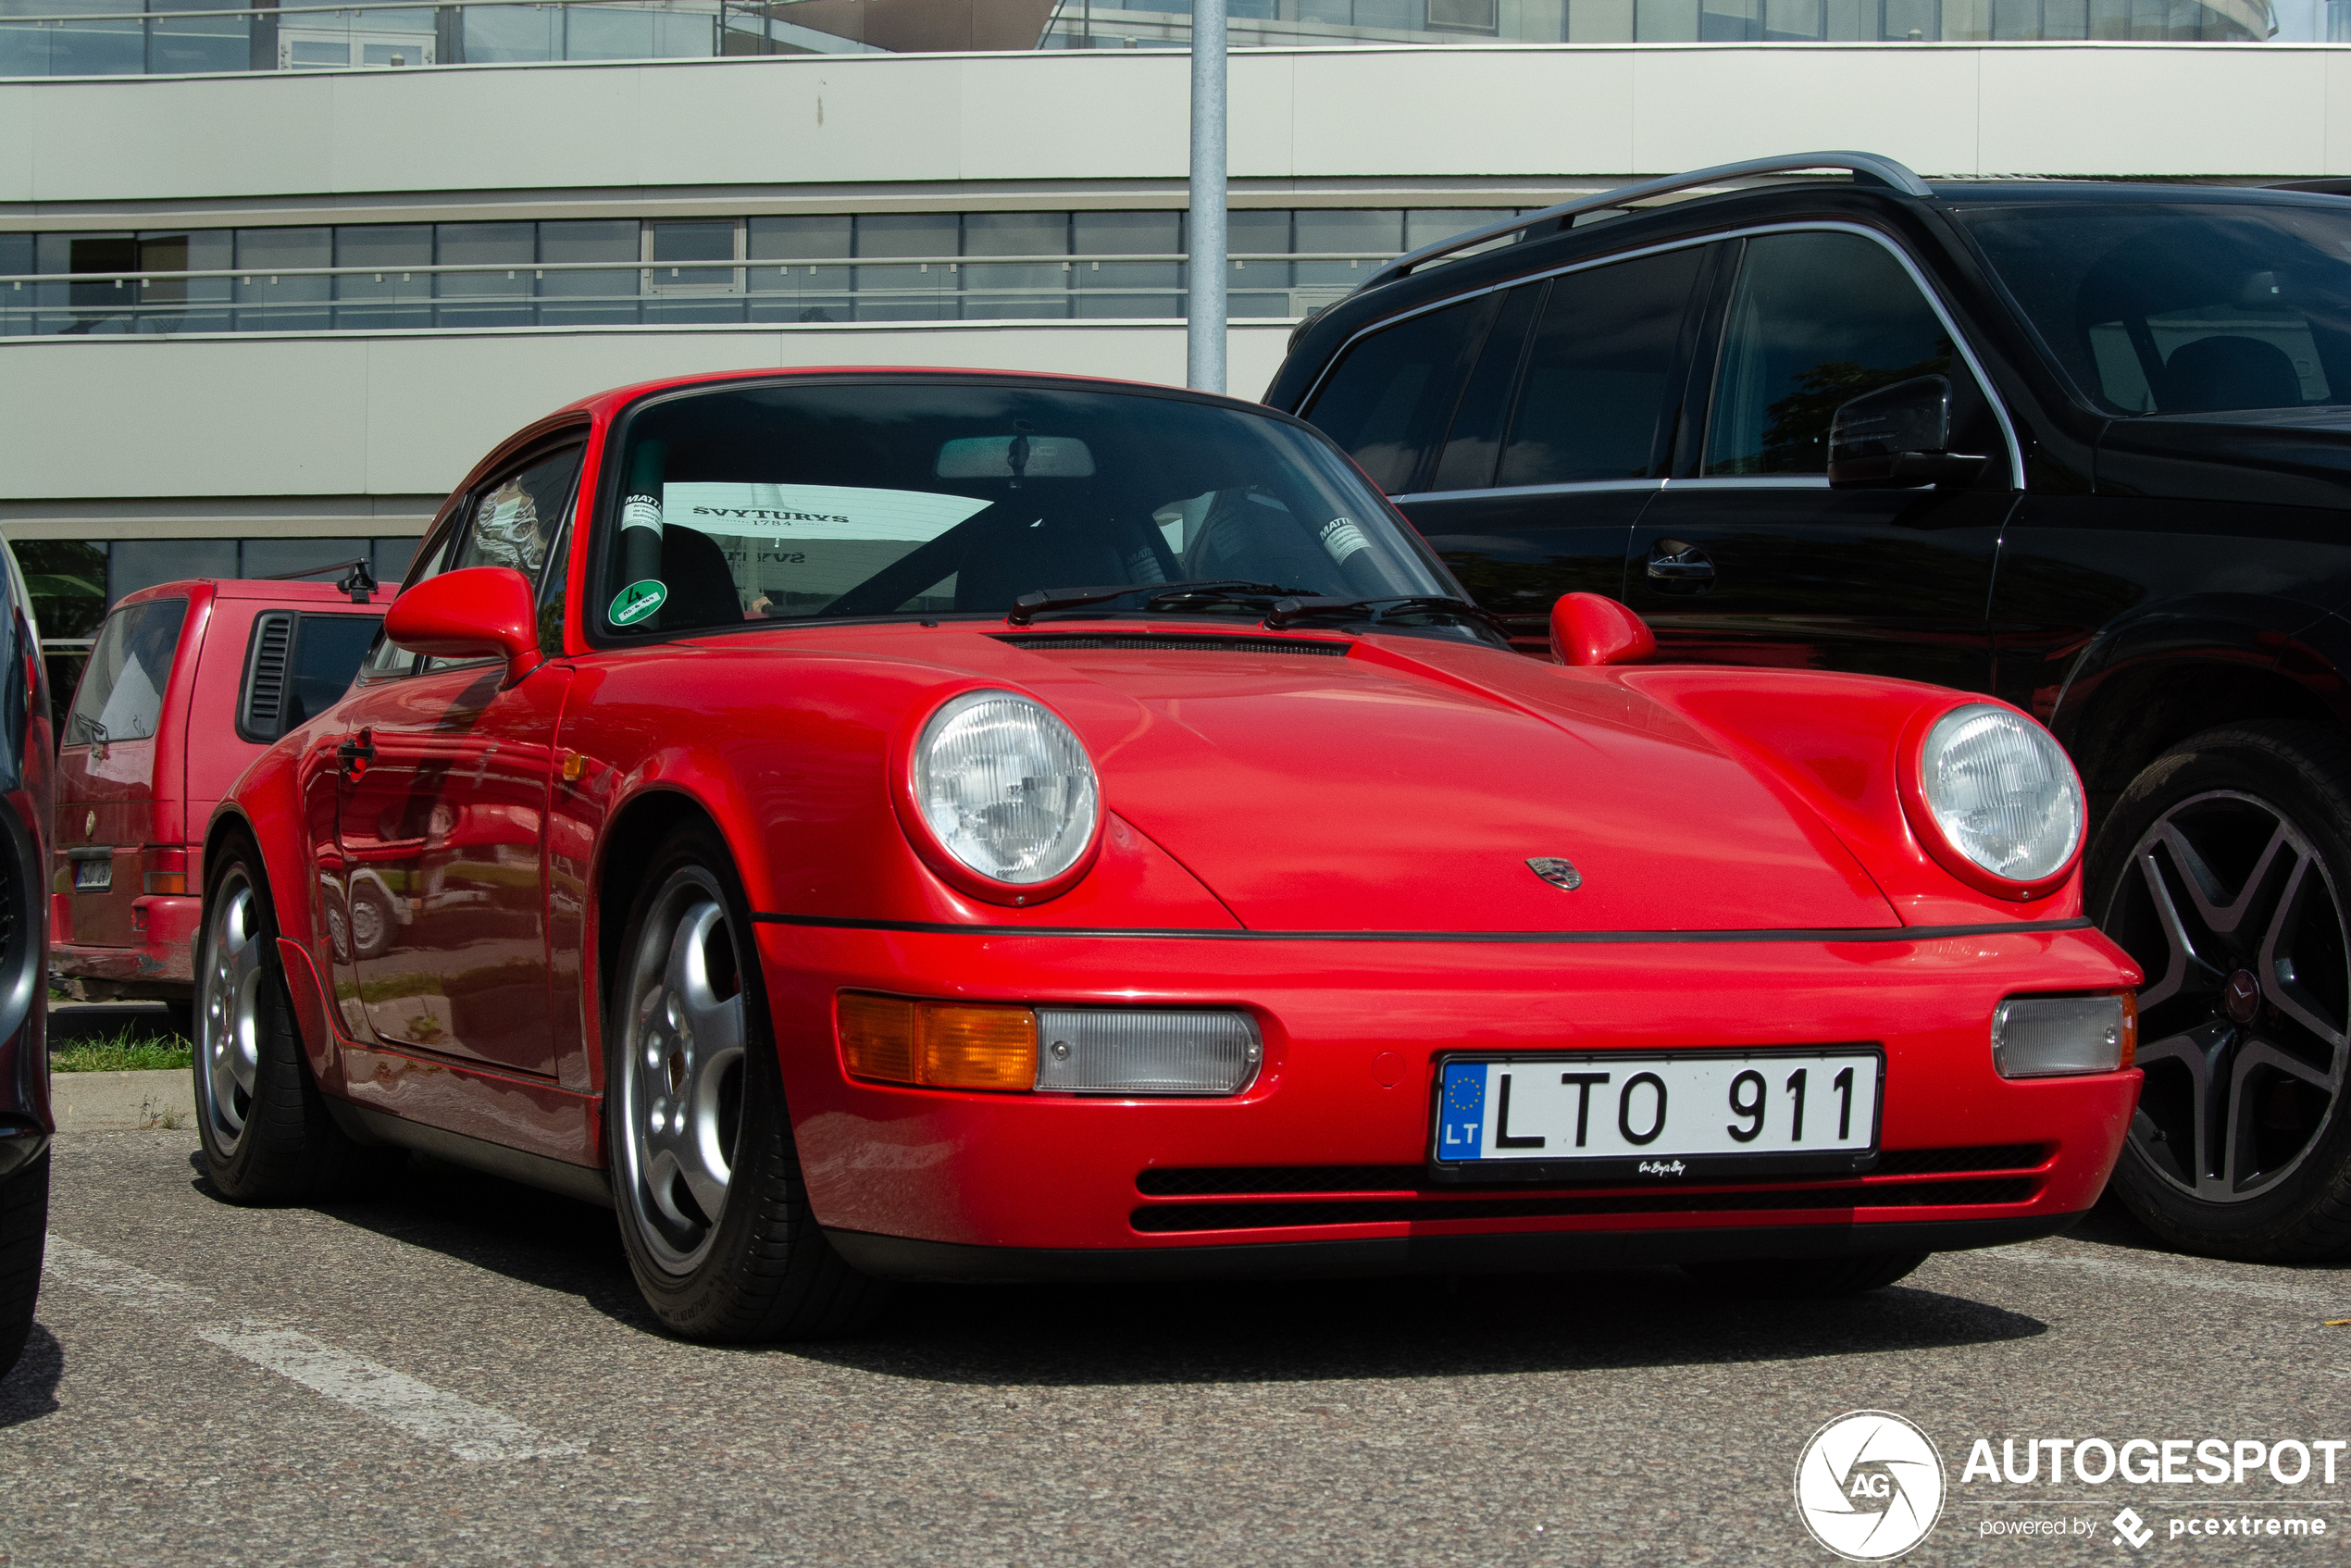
{"type": "Point", "coordinates": [441, 802]}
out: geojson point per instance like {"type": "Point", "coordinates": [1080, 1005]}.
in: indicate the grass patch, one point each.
{"type": "Point", "coordinates": [123, 1054]}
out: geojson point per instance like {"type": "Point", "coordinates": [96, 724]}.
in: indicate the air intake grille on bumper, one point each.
{"type": "Point", "coordinates": [1283, 1216]}
{"type": "Point", "coordinates": [1218, 1181]}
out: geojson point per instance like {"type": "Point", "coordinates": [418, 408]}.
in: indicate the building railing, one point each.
{"type": "Point", "coordinates": [43, 38]}
{"type": "Point", "coordinates": [773, 289]}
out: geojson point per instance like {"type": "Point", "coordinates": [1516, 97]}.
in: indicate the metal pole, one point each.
{"type": "Point", "coordinates": [1204, 330]}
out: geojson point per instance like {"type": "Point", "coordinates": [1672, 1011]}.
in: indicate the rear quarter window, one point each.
{"type": "Point", "coordinates": [297, 666]}
{"type": "Point", "coordinates": [1392, 396]}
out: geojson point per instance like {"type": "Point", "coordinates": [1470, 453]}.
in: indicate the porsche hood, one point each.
{"type": "Point", "coordinates": [1340, 788]}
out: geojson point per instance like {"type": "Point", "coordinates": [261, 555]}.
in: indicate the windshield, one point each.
{"type": "Point", "coordinates": [2185, 307]}
{"type": "Point", "coordinates": [793, 502]}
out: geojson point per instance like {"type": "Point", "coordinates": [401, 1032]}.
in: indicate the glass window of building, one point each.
{"type": "Point", "coordinates": [497, 296]}
{"type": "Point", "coordinates": [788, 288]}
{"type": "Point", "coordinates": [283, 557]}
{"type": "Point", "coordinates": [1257, 288]}
{"type": "Point", "coordinates": [269, 296]}
{"type": "Point", "coordinates": [924, 291]}
{"type": "Point", "coordinates": [1023, 291]}
{"type": "Point", "coordinates": [67, 580]}
{"type": "Point", "coordinates": [584, 296]}
{"type": "Point", "coordinates": [393, 295]}
{"type": "Point", "coordinates": [1128, 289]}
{"type": "Point", "coordinates": [134, 564]}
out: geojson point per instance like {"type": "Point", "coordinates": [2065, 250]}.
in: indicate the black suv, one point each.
{"type": "Point", "coordinates": [2085, 446]}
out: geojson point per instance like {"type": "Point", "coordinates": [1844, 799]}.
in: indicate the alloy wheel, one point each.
{"type": "Point", "coordinates": [229, 1025]}
{"type": "Point", "coordinates": [681, 1089]}
{"type": "Point", "coordinates": [2235, 918]}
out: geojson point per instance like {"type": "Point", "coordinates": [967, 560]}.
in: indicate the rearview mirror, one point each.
{"type": "Point", "coordinates": [1015, 457]}
{"type": "Point", "coordinates": [1897, 438]}
{"type": "Point", "coordinates": [480, 612]}
{"type": "Point", "coordinates": [1588, 629]}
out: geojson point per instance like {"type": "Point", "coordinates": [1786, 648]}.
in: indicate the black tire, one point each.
{"type": "Point", "coordinates": [24, 1230]}
{"type": "Point", "coordinates": [759, 1269]}
{"type": "Point", "coordinates": [1796, 1278]}
{"type": "Point", "coordinates": [270, 1140]}
{"type": "Point", "coordinates": [2239, 1148]}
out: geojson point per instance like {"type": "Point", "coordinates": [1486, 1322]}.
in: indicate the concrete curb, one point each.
{"type": "Point", "coordinates": [87, 1102]}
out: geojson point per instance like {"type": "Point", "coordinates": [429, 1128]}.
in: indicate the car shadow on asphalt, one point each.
{"type": "Point", "coordinates": [29, 1392]}
{"type": "Point", "coordinates": [1224, 1332]}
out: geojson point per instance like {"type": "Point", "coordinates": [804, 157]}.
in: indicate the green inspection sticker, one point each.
{"type": "Point", "coordinates": [637, 601]}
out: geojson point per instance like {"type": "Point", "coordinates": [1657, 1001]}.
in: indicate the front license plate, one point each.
{"type": "Point", "coordinates": [93, 876]}
{"type": "Point", "coordinates": [1677, 1115]}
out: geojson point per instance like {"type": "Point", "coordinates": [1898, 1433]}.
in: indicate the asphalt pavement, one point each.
{"type": "Point", "coordinates": [457, 1370]}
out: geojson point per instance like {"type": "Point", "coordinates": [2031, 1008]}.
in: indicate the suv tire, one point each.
{"type": "Point", "coordinates": [2223, 871]}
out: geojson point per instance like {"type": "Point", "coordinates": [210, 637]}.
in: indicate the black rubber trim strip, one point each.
{"type": "Point", "coordinates": [1188, 933]}
{"type": "Point", "coordinates": [898, 1257]}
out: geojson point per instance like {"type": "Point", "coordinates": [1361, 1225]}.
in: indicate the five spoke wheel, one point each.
{"type": "Point", "coordinates": [229, 1030]}
{"type": "Point", "coordinates": [2236, 916]}
{"type": "Point", "coordinates": [681, 1092]}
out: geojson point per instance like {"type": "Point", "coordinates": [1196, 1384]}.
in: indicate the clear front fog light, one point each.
{"type": "Point", "coordinates": [1145, 1050]}
{"type": "Point", "coordinates": [2039, 1037]}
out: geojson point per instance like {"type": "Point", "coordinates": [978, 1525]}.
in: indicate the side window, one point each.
{"type": "Point", "coordinates": [512, 522]}
{"type": "Point", "coordinates": [298, 666]}
{"type": "Point", "coordinates": [120, 697]}
{"type": "Point", "coordinates": [1392, 396]}
{"type": "Point", "coordinates": [1601, 373]}
{"type": "Point", "coordinates": [1817, 319]}
{"type": "Point", "coordinates": [1476, 436]}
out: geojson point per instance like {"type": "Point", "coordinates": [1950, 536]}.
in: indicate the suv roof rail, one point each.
{"type": "Point", "coordinates": [1870, 166]}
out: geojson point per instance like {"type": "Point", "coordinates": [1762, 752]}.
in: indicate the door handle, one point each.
{"type": "Point", "coordinates": [354, 756]}
{"type": "Point", "coordinates": [1679, 568]}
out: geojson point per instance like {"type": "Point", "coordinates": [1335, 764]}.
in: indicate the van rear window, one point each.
{"type": "Point", "coordinates": [120, 697]}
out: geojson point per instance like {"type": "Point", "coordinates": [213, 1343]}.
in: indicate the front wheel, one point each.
{"type": "Point", "coordinates": [713, 1210]}
{"type": "Point", "coordinates": [2222, 871]}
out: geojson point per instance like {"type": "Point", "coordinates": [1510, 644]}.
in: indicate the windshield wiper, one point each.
{"type": "Point", "coordinates": [1233, 591]}
{"type": "Point", "coordinates": [1379, 608]}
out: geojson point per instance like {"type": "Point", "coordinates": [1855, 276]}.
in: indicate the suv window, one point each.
{"type": "Point", "coordinates": [1817, 319]}
{"type": "Point", "coordinates": [121, 692]}
{"type": "Point", "coordinates": [1598, 379]}
{"type": "Point", "coordinates": [1391, 397]}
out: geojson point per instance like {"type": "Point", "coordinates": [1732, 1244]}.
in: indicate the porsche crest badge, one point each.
{"type": "Point", "coordinates": [1558, 872]}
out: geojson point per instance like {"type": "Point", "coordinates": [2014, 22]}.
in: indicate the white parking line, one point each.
{"type": "Point", "coordinates": [470, 1431]}
{"type": "Point", "coordinates": [2191, 1273]}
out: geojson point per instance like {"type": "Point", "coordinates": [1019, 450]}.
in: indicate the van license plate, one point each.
{"type": "Point", "coordinates": [94, 876]}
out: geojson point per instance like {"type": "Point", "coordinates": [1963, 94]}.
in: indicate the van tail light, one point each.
{"type": "Point", "coordinates": [165, 869]}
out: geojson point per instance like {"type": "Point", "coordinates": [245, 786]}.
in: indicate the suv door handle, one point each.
{"type": "Point", "coordinates": [1679, 566]}
{"type": "Point", "coordinates": [354, 756]}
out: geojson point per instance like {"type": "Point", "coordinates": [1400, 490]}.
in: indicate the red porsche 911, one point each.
{"type": "Point", "coordinates": [940, 824]}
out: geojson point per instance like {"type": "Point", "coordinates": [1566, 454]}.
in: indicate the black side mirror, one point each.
{"type": "Point", "coordinates": [1897, 438]}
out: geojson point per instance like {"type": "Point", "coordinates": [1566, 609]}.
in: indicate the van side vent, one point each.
{"type": "Point", "coordinates": [261, 711]}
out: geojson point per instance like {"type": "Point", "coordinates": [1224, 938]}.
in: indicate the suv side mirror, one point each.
{"type": "Point", "coordinates": [479, 612]}
{"type": "Point", "coordinates": [1897, 438]}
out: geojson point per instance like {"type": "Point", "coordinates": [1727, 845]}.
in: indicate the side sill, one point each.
{"type": "Point", "coordinates": [899, 1257]}
{"type": "Point", "coordinates": [583, 1182]}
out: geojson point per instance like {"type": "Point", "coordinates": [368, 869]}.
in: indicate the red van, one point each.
{"type": "Point", "coordinates": [187, 683]}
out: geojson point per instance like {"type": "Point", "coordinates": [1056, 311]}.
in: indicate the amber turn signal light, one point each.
{"type": "Point", "coordinates": [938, 1044]}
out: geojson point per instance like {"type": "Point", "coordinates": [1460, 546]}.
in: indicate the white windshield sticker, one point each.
{"type": "Point", "coordinates": [790, 512]}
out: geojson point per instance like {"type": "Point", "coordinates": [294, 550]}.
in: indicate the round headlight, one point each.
{"type": "Point", "coordinates": [2001, 791]}
{"type": "Point", "coordinates": [1005, 787]}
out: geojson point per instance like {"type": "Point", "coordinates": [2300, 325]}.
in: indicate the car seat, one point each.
{"type": "Point", "coordinates": [701, 588]}
{"type": "Point", "coordinates": [2226, 371]}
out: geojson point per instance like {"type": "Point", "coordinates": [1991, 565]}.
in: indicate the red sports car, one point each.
{"type": "Point", "coordinates": [961, 826]}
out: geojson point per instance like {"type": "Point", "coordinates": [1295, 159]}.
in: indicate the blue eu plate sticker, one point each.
{"type": "Point", "coordinates": [1460, 1116]}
